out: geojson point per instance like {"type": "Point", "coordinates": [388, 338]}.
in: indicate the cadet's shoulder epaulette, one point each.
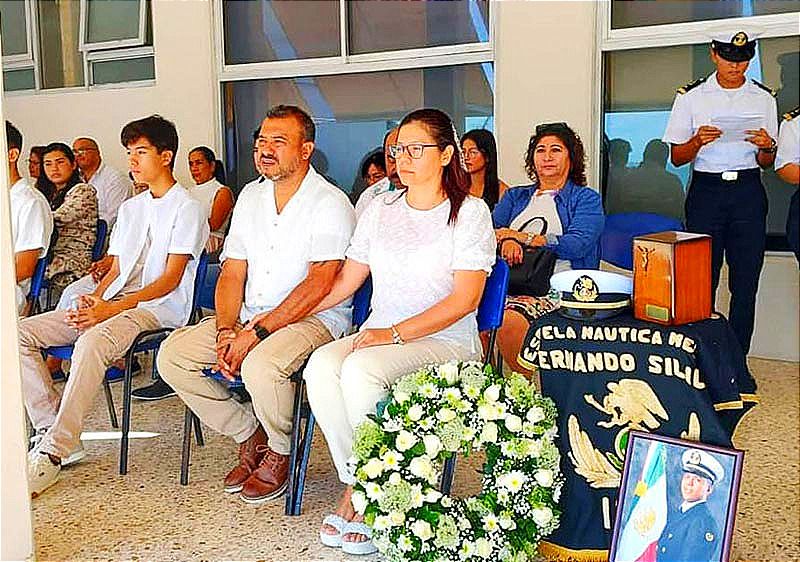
{"type": "Point", "coordinates": [691, 85]}
{"type": "Point", "coordinates": [766, 88]}
{"type": "Point", "coordinates": [792, 114]}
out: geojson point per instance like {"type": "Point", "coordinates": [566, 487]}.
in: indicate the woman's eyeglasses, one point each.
{"type": "Point", "coordinates": [414, 150]}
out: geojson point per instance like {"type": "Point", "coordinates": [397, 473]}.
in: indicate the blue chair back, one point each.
{"type": "Point", "coordinates": [616, 242]}
{"type": "Point", "coordinates": [493, 301]}
{"type": "Point", "coordinates": [38, 280]}
{"type": "Point", "coordinates": [100, 240]}
{"type": "Point", "coordinates": [206, 297]}
{"type": "Point", "coordinates": [361, 303]}
{"type": "Point", "coordinates": [200, 281]}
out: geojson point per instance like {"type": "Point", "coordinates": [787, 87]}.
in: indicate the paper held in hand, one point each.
{"type": "Point", "coordinates": [734, 126]}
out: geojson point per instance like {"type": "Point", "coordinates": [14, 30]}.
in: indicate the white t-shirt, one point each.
{"type": "Point", "coordinates": [542, 205]}
{"type": "Point", "coordinates": [205, 193]}
{"type": "Point", "coordinates": [788, 143]}
{"type": "Point", "coordinates": [382, 186]}
{"type": "Point", "coordinates": [175, 224]}
{"type": "Point", "coordinates": [31, 226]}
{"type": "Point", "coordinates": [414, 254]}
{"type": "Point", "coordinates": [709, 103]}
{"type": "Point", "coordinates": [112, 189]}
{"type": "Point", "coordinates": [314, 226]}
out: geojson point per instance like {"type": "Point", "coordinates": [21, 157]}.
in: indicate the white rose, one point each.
{"type": "Point", "coordinates": [542, 516]}
{"type": "Point", "coordinates": [449, 371]}
{"type": "Point", "coordinates": [373, 468]}
{"type": "Point", "coordinates": [492, 394]}
{"type": "Point", "coordinates": [394, 478]}
{"type": "Point", "coordinates": [535, 414]}
{"type": "Point", "coordinates": [544, 477]}
{"type": "Point", "coordinates": [483, 547]}
{"type": "Point", "coordinates": [382, 522]}
{"type": "Point", "coordinates": [400, 396]}
{"type": "Point", "coordinates": [432, 445]}
{"type": "Point", "coordinates": [445, 415]}
{"type": "Point", "coordinates": [489, 433]}
{"type": "Point", "coordinates": [421, 467]}
{"type": "Point", "coordinates": [417, 499]}
{"type": "Point", "coordinates": [359, 500]}
{"type": "Point", "coordinates": [405, 440]}
{"type": "Point", "coordinates": [513, 423]}
{"type": "Point", "coordinates": [397, 518]}
{"type": "Point", "coordinates": [415, 412]}
{"type": "Point", "coordinates": [432, 495]}
{"type": "Point", "coordinates": [486, 412]}
{"type": "Point", "coordinates": [422, 529]}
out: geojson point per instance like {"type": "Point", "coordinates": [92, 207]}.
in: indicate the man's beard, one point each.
{"type": "Point", "coordinates": [284, 171]}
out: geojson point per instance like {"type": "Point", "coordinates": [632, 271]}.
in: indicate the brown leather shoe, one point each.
{"type": "Point", "coordinates": [269, 480]}
{"type": "Point", "coordinates": [250, 454]}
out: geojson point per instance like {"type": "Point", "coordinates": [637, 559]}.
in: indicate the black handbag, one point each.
{"type": "Point", "coordinates": [532, 276]}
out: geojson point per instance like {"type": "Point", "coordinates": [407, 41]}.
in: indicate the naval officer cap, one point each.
{"type": "Point", "coordinates": [703, 464]}
{"type": "Point", "coordinates": [735, 46]}
{"type": "Point", "coordinates": [590, 294]}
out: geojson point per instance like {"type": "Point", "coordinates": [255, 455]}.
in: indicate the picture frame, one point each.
{"type": "Point", "coordinates": [677, 501]}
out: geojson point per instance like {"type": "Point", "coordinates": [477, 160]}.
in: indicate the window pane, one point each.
{"type": "Point", "coordinates": [12, 18]}
{"type": "Point", "coordinates": [127, 70]}
{"type": "Point", "coordinates": [22, 79]}
{"type": "Point", "coordinates": [638, 176]}
{"type": "Point", "coordinates": [263, 30]}
{"type": "Point", "coordinates": [61, 62]}
{"type": "Point", "coordinates": [625, 13]}
{"type": "Point", "coordinates": [112, 20]}
{"type": "Point", "coordinates": [387, 26]}
{"type": "Point", "coordinates": [352, 112]}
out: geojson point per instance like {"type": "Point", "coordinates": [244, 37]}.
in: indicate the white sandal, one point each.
{"type": "Point", "coordinates": [337, 522]}
{"type": "Point", "coordinates": [358, 547]}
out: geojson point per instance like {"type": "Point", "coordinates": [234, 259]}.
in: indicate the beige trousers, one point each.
{"type": "Point", "coordinates": [344, 386]}
{"type": "Point", "coordinates": [265, 371]}
{"type": "Point", "coordinates": [95, 350]}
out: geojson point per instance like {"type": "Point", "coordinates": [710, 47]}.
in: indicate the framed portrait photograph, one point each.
{"type": "Point", "coordinates": [677, 501]}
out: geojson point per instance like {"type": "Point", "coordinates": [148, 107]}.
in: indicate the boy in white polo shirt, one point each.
{"type": "Point", "coordinates": [31, 219]}
{"type": "Point", "coordinates": [156, 243]}
{"type": "Point", "coordinates": [287, 240]}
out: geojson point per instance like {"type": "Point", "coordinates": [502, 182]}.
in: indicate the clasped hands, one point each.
{"type": "Point", "coordinates": [510, 250]}
{"type": "Point", "coordinates": [91, 311]}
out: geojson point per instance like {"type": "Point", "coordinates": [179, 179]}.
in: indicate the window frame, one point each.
{"type": "Point", "coordinates": [86, 46]}
{"type": "Point", "coordinates": [667, 35]}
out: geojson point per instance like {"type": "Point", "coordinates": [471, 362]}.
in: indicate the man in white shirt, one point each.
{"type": "Point", "coordinates": [155, 247]}
{"type": "Point", "coordinates": [787, 165]}
{"type": "Point", "coordinates": [287, 241]}
{"type": "Point", "coordinates": [31, 219]}
{"type": "Point", "coordinates": [111, 185]}
{"type": "Point", "coordinates": [725, 126]}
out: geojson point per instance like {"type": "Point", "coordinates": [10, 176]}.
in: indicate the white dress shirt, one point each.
{"type": "Point", "coordinates": [377, 188]}
{"type": "Point", "coordinates": [708, 103]}
{"type": "Point", "coordinates": [175, 224]}
{"type": "Point", "coordinates": [788, 143]}
{"type": "Point", "coordinates": [314, 226]}
{"type": "Point", "coordinates": [112, 189]}
{"type": "Point", "coordinates": [31, 227]}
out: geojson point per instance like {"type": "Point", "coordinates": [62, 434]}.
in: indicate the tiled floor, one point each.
{"type": "Point", "coordinates": [95, 514]}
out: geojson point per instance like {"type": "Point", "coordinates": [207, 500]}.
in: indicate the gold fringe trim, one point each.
{"type": "Point", "coordinates": [556, 553]}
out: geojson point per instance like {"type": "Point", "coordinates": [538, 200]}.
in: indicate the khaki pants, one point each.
{"type": "Point", "coordinates": [265, 372]}
{"type": "Point", "coordinates": [95, 350]}
{"type": "Point", "coordinates": [344, 386]}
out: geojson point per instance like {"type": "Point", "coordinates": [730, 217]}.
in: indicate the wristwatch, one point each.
{"type": "Point", "coordinates": [529, 238]}
{"type": "Point", "coordinates": [772, 149]}
{"type": "Point", "coordinates": [261, 332]}
{"type": "Point", "coordinates": [396, 336]}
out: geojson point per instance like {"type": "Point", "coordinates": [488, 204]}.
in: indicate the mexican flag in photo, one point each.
{"type": "Point", "coordinates": [648, 516]}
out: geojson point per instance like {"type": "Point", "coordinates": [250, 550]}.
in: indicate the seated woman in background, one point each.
{"type": "Point", "coordinates": [209, 176]}
{"type": "Point", "coordinates": [35, 162]}
{"type": "Point", "coordinates": [427, 279]}
{"type": "Point", "coordinates": [74, 206]}
{"type": "Point", "coordinates": [373, 169]}
{"type": "Point", "coordinates": [574, 217]}
{"type": "Point", "coordinates": [480, 156]}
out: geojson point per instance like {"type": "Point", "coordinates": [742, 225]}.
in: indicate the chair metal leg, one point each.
{"type": "Point", "coordinates": [488, 360]}
{"type": "Point", "coordinates": [198, 431]}
{"type": "Point", "coordinates": [295, 445]}
{"type": "Point", "coordinates": [447, 474]}
{"type": "Point", "coordinates": [126, 412]}
{"type": "Point", "coordinates": [301, 470]}
{"type": "Point", "coordinates": [112, 412]}
{"type": "Point", "coordinates": [188, 420]}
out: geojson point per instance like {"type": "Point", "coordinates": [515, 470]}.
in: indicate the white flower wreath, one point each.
{"type": "Point", "coordinates": [432, 414]}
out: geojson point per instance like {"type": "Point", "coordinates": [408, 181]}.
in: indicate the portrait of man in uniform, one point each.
{"type": "Point", "coordinates": [677, 501]}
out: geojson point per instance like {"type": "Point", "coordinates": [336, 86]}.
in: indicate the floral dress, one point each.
{"type": "Point", "coordinates": [76, 223]}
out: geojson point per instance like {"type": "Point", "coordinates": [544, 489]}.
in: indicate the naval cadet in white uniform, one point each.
{"type": "Point", "coordinates": [787, 165]}
{"type": "Point", "coordinates": [725, 126]}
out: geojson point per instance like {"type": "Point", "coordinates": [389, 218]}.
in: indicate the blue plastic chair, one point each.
{"type": "Point", "coordinates": [490, 318]}
{"type": "Point", "coordinates": [149, 340]}
{"type": "Point", "coordinates": [616, 242]}
{"type": "Point", "coordinates": [38, 281]}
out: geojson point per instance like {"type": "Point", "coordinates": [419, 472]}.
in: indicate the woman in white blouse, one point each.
{"type": "Point", "coordinates": [217, 199]}
{"type": "Point", "coordinates": [428, 277]}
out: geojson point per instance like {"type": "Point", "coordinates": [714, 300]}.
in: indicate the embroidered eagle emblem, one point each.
{"type": "Point", "coordinates": [740, 39]}
{"type": "Point", "coordinates": [585, 289]}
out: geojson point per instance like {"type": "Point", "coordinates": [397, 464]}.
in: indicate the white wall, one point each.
{"type": "Point", "coordinates": [184, 93]}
